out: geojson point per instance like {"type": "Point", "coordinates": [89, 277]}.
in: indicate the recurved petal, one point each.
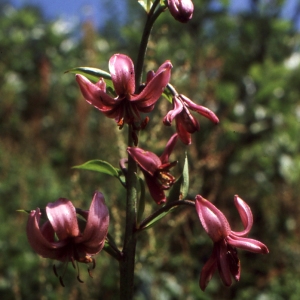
{"type": "Point", "coordinates": [184, 135]}
{"type": "Point", "coordinates": [234, 262]}
{"type": "Point", "coordinates": [247, 244]}
{"type": "Point", "coordinates": [155, 189]}
{"type": "Point", "coordinates": [89, 90]}
{"type": "Point", "coordinates": [212, 219]}
{"type": "Point", "coordinates": [204, 111]}
{"type": "Point", "coordinates": [38, 242]}
{"type": "Point", "coordinates": [223, 263]}
{"type": "Point", "coordinates": [245, 214]}
{"type": "Point", "coordinates": [208, 270]}
{"type": "Point", "coordinates": [153, 90]}
{"type": "Point", "coordinates": [122, 73]}
{"type": "Point", "coordinates": [62, 216]}
{"type": "Point", "coordinates": [95, 94]}
{"type": "Point", "coordinates": [187, 121]}
{"type": "Point", "coordinates": [97, 224]}
{"type": "Point", "coordinates": [169, 148]}
{"type": "Point", "coordinates": [148, 161]}
{"type": "Point", "coordinates": [177, 108]}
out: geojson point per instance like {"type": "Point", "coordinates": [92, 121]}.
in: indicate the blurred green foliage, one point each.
{"type": "Point", "coordinates": [245, 67]}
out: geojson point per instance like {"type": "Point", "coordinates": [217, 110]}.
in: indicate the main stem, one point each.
{"type": "Point", "coordinates": [151, 18]}
{"type": "Point", "coordinates": [127, 261]}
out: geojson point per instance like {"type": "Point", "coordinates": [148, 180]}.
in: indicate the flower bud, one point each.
{"type": "Point", "coordinates": [181, 10]}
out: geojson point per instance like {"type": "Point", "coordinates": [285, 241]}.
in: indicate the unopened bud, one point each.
{"type": "Point", "coordinates": [181, 10]}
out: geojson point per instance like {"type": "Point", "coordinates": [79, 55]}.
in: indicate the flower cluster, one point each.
{"type": "Point", "coordinates": [66, 238]}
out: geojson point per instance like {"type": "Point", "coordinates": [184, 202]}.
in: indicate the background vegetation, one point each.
{"type": "Point", "coordinates": [245, 67]}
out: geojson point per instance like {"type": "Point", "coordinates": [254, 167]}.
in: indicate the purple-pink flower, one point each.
{"type": "Point", "coordinates": [181, 10]}
{"type": "Point", "coordinates": [185, 122]}
{"type": "Point", "coordinates": [127, 106]}
{"type": "Point", "coordinates": [61, 238]}
{"type": "Point", "coordinates": [156, 169]}
{"type": "Point", "coordinates": [224, 256]}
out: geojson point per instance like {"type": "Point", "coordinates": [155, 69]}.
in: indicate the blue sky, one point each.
{"type": "Point", "coordinates": [79, 10]}
{"type": "Point", "coordinates": [96, 10]}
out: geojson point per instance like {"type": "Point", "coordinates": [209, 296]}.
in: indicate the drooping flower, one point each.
{"type": "Point", "coordinates": [127, 106]}
{"type": "Point", "coordinates": [156, 169]}
{"type": "Point", "coordinates": [71, 243]}
{"type": "Point", "coordinates": [181, 10]}
{"type": "Point", "coordinates": [185, 122]}
{"type": "Point", "coordinates": [224, 256]}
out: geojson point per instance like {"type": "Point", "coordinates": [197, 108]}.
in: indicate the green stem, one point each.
{"type": "Point", "coordinates": [127, 261]}
{"type": "Point", "coordinates": [164, 209]}
{"type": "Point", "coordinates": [151, 18]}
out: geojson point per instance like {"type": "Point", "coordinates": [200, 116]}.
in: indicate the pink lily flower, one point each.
{"type": "Point", "coordinates": [181, 10]}
{"type": "Point", "coordinates": [185, 122]}
{"type": "Point", "coordinates": [224, 256]}
{"type": "Point", "coordinates": [71, 244]}
{"type": "Point", "coordinates": [128, 104]}
{"type": "Point", "coordinates": [156, 169]}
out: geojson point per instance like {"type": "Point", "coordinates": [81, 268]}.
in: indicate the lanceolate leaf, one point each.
{"type": "Point", "coordinates": [92, 74]}
{"type": "Point", "coordinates": [100, 166]}
{"type": "Point", "coordinates": [168, 95]}
{"type": "Point", "coordinates": [152, 223]}
{"type": "Point", "coordinates": [184, 188]}
{"type": "Point", "coordinates": [180, 188]}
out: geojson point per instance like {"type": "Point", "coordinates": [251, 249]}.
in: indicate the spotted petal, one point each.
{"type": "Point", "coordinates": [40, 244]}
{"type": "Point", "coordinates": [96, 225]}
{"type": "Point", "coordinates": [212, 219]}
{"type": "Point", "coordinates": [147, 160]}
{"type": "Point", "coordinates": [62, 216]}
{"type": "Point", "coordinates": [154, 88]}
{"type": "Point", "coordinates": [247, 244]}
{"type": "Point", "coordinates": [204, 111]}
{"type": "Point", "coordinates": [245, 214]}
{"type": "Point", "coordinates": [122, 73]}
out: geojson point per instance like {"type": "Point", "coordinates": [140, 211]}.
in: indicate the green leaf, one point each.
{"type": "Point", "coordinates": [184, 188]}
{"type": "Point", "coordinates": [180, 188]}
{"type": "Point", "coordinates": [92, 74]}
{"type": "Point", "coordinates": [23, 211]}
{"type": "Point", "coordinates": [151, 223]}
{"type": "Point", "coordinates": [100, 166]}
{"type": "Point", "coordinates": [168, 95]}
{"type": "Point", "coordinates": [146, 4]}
